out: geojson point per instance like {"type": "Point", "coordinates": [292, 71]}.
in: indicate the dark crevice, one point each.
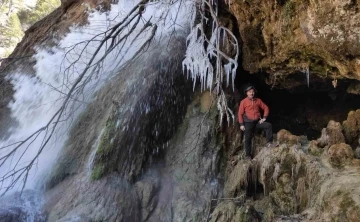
{"type": "Point", "coordinates": [255, 189]}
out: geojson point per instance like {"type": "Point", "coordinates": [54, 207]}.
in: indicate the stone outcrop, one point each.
{"type": "Point", "coordinates": [351, 127]}
{"type": "Point", "coordinates": [142, 153]}
{"type": "Point", "coordinates": [284, 136]}
{"type": "Point", "coordinates": [340, 154]}
{"type": "Point", "coordinates": [288, 37]}
{"type": "Point", "coordinates": [229, 211]}
{"type": "Point", "coordinates": [237, 180]}
{"type": "Point", "coordinates": [295, 185]}
{"type": "Point", "coordinates": [331, 135]}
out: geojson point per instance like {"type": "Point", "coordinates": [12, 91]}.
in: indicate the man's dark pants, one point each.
{"type": "Point", "coordinates": [250, 130]}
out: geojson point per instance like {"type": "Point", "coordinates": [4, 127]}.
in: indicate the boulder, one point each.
{"type": "Point", "coordinates": [314, 149]}
{"type": "Point", "coordinates": [237, 179]}
{"type": "Point", "coordinates": [332, 134]}
{"type": "Point", "coordinates": [146, 191]}
{"type": "Point", "coordinates": [357, 153]}
{"type": "Point", "coordinates": [228, 211]}
{"type": "Point", "coordinates": [284, 136]}
{"type": "Point", "coordinates": [284, 196]}
{"type": "Point", "coordinates": [351, 127]}
{"type": "Point", "coordinates": [340, 154]}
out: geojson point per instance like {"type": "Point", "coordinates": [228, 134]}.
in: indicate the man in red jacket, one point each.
{"type": "Point", "coordinates": [250, 118]}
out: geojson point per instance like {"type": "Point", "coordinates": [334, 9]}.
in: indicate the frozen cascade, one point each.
{"type": "Point", "coordinates": [38, 98]}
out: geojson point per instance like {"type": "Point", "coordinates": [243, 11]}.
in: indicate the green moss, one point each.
{"type": "Point", "coordinates": [289, 9]}
{"type": "Point", "coordinates": [349, 210]}
{"type": "Point", "coordinates": [316, 152]}
{"type": "Point", "coordinates": [346, 202]}
{"type": "Point", "coordinates": [105, 149]}
{"type": "Point", "coordinates": [106, 144]}
{"type": "Point", "coordinates": [287, 164]}
{"type": "Point", "coordinates": [97, 172]}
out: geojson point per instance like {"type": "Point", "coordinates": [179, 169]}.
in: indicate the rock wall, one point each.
{"type": "Point", "coordinates": [286, 37]}
{"type": "Point", "coordinates": [134, 155]}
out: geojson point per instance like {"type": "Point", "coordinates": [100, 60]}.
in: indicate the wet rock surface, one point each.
{"type": "Point", "coordinates": [169, 170]}
{"type": "Point", "coordinates": [22, 207]}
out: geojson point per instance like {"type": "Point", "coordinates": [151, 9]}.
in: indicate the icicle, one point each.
{"type": "Point", "coordinates": [307, 72]}
{"type": "Point", "coordinates": [201, 49]}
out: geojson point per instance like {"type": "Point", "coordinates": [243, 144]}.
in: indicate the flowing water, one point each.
{"type": "Point", "coordinates": [38, 98]}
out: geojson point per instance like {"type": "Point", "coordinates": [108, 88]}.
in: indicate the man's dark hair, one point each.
{"type": "Point", "coordinates": [247, 88]}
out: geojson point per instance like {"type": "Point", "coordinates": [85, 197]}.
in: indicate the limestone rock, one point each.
{"type": "Point", "coordinates": [357, 153]}
{"type": "Point", "coordinates": [67, 3]}
{"type": "Point", "coordinates": [313, 148]}
{"type": "Point", "coordinates": [284, 136]}
{"type": "Point", "coordinates": [228, 211]}
{"type": "Point", "coordinates": [351, 126]}
{"type": "Point", "coordinates": [339, 199]}
{"type": "Point", "coordinates": [284, 37]}
{"type": "Point", "coordinates": [283, 195]}
{"type": "Point", "coordinates": [342, 207]}
{"type": "Point", "coordinates": [334, 130]}
{"type": "Point", "coordinates": [354, 88]}
{"type": "Point", "coordinates": [237, 179]}
{"type": "Point", "coordinates": [324, 139]}
{"type": "Point", "coordinates": [340, 154]}
{"type": "Point", "coordinates": [288, 177]}
{"type": "Point", "coordinates": [332, 134]}
{"type": "Point", "coordinates": [146, 191]}
{"type": "Point", "coordinates": [205, 101]}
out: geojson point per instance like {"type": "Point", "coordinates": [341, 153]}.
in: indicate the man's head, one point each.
{"type": "Point", "coordinates": [250, 91]}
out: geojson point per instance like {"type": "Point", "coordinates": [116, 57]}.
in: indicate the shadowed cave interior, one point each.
{"type": "Point", "coordinates": [300, 109]}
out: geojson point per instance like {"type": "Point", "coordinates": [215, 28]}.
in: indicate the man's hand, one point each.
{"type": "Point", "coordinates": [242, 128]}
{"type": "Point", "coordinates": [262, 120]}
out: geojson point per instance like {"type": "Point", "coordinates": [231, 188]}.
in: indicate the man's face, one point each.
{"type": "Point", "coordinates": [250, 94]}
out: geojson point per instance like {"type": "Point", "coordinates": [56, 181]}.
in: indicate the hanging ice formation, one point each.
{"type": "Point", "coordinates": [205, 58]}
{"type": "Point", "coordinates": [307, 73]}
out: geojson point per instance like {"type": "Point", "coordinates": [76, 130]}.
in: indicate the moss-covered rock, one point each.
{"type": "Point", "coordinates": [229, 211]}
{"type": "Point", "coordinates": [351, 127]}
{"type": "Point", "coordinates": [338, 199]}
{"type": "Point", "coordinates": [288, 177]}
{"type": "Point", "coordinates": [284, 136]}
{"type": "Point", "coordinates": [283, 195]}
{"type": "Point", "coordinates": [237, 180]}
{"type": "Point", "coordinates": [97, 172]}
{"type": "Point", "coordinates": [340, 155]}
{"type": "Point", "coordinates": [357, 153]}
{"type": "Point", "coordinates": [330, 135]}
{"type": "Point", "coordinates": [314, 149]}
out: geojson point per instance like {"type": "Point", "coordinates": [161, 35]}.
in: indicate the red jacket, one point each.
{"type": "Point", "coordinates": [249, 110]}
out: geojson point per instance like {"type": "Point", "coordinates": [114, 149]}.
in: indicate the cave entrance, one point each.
{"type": "Point", "coordinates": [300, 109]}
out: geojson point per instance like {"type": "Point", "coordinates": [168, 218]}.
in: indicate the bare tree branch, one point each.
{"type": "Point", "coordinates": [117, 35]}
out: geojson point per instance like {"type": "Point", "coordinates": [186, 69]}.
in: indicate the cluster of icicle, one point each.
{"type": "Point", "coordinates": [206, 60]}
